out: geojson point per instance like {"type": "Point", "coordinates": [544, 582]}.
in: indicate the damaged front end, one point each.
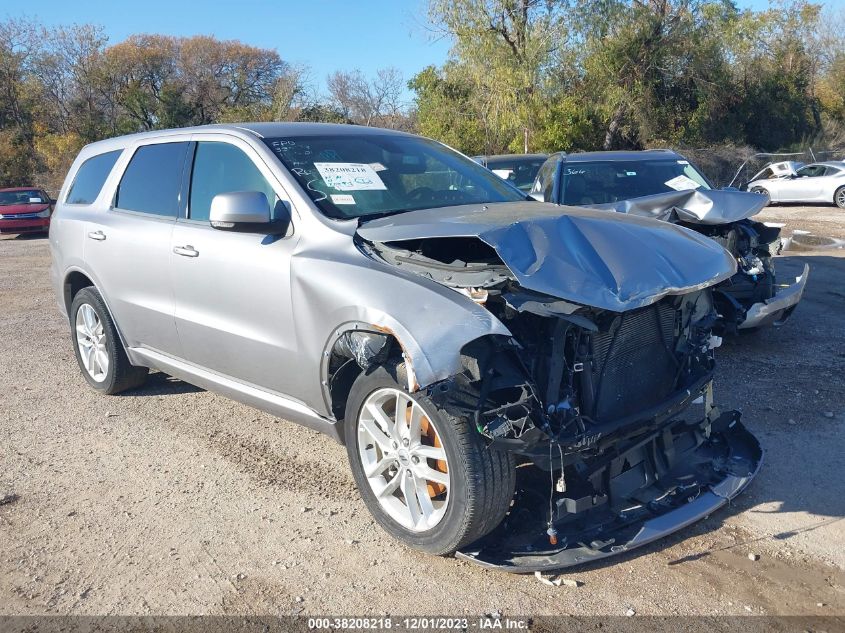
{"type": "Point", "coordinates": [609, 411]}
{"type": "Point", "coordinates": [752, 298]}
{"type": "Point", "coordinates": [600, 404]}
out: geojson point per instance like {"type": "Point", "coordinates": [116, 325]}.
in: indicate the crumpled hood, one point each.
{"type": "Point", "coordinates": [695, 206]}
{"type": "Point", "coordinates": [580, 255]}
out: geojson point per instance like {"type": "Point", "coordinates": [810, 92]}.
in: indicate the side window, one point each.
{"type": "Point", "coordinates": [223, 168]}
{"type": "Point", "coordinates": [91, 177]}
{"type": "Point", "coordinates": [811, 171]}
{"type": "Point", "coordinates": [152, 180]}
{"type": "Point", "coordinates": [545, 178]}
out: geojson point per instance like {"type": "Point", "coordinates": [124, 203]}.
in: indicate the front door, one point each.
{"type": "Point", "coordinates": [806, 185]}
{"type": "Point", "coordinates": [232, 290]}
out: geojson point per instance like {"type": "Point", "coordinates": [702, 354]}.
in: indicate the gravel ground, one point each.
{"type": "Point", "coordinates": [173, 500]}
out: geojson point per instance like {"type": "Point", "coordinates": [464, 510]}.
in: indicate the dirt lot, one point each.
{"type": "Point", "coordinates": [173, 500]}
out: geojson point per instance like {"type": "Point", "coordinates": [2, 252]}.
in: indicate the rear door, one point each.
{"type": "Point", "coordinates": [233, 310]}
{"type": "Point", "coordinates": [128, 246]}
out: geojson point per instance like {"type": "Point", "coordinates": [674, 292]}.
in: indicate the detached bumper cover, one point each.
{"type": "Point", "coordinates": [506, 550]}
{"type": "Point", "coordinates": [777, 309]}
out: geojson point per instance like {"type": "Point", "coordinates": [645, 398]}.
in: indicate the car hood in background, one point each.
{"type": "Point", "coordinates": [580, 255]}
{"type": "Point", "coordinates": [695, 206]}
{"type": "Point", "coordinates": [14, 209]}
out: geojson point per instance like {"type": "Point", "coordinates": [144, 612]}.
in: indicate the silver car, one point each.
{"type": "Point", "coordinates": [790, 182]}
{"type": "Point", "coordinates": [397, 296]}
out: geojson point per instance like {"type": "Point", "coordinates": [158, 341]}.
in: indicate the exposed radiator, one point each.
{"type": "Point", "coordinates": [634, 366]}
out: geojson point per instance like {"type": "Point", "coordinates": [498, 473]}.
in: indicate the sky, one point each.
{"type": "Point", "coordinates": [326, 35]}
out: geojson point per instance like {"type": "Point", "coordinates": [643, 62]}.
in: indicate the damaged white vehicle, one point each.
{"type": "Point", "coordinates": [789, 181]}
{"type": "Point", "coordinates": [523, 384]}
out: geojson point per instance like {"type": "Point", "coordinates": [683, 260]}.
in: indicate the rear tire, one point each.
{"type": "Point", "coordinates": [97, 346]}
{"type": "Point", "coordinates": [839, 198]}
{"type": "Point", "coordinates": [761, 191]}
{"type": "Point", "coordinates": [476, 482]}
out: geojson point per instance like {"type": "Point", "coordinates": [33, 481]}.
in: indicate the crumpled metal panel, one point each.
{"type": "Point", "coordinates": [696, 206]}
{"type": "Point", "coordinates": [582, 255]}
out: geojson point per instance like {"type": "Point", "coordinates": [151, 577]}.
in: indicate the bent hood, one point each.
{"type": "Point", "coordinates": [580, 255]}
{"type": "Point", "coordinates": [695, 206]}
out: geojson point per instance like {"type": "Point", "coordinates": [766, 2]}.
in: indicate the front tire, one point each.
{"type": "Point", "coordinates": [426, 476]}
{"type": "Point", "coordinates": [98, 349]}
{"type": "Point", "coordinates": [839, 198]}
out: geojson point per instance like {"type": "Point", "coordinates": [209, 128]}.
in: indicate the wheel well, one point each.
{"type": "Point", "coordinates": [352, 354]}
{"type": "Point", "coordinates": [74, 282]}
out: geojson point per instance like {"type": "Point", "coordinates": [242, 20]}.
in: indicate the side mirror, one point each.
{"type": "Point", "coordinates": [246, 212]}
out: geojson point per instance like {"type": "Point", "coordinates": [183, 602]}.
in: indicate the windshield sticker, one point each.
{"type": "Point", "coordinates": [342, 198]}
{"type": "Point", "coordinates": [350, 176]}
{"type": "Point", "coordinates": [630, 173]}
{"type": "Point", "coordinates": [378, 166]}
{"type": "Point", "coordinates": [573, 172]}
{"type": "Point", "coordinates": [683, 162]}
{"type": "Point", "coordinates": [682, 183]}
{"type": "Point", "coordinates": [503, 173]}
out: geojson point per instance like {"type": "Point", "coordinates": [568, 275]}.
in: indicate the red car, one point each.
{"type": "Point", "coordinates": [25, 210]}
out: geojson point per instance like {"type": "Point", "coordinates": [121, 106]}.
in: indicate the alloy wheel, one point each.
{"type": "Point", "coordinates": [92, 342]}
{"type": "Point", "coordinates": [403, 459]}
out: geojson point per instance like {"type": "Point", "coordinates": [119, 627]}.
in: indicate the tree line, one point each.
{"type": "Point", "coordinates": [545, 75]}
{"type": "Point", "coordinates": [64, 87]}
{"type": "Point", "coordinates": [522, 75]}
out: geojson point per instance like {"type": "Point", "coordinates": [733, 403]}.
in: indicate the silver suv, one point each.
{"type": "Point", "coordinates": [513, 380]}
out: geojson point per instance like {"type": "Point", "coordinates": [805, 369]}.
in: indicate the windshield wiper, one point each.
{"type": "Point", "coordinates": [381, 214]}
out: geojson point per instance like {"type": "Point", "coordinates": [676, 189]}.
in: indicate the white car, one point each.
{"type": "Point", "coordinates": [790, 182]}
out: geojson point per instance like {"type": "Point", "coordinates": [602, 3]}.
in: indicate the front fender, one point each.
{"type": "Point", "coordinates": [430, 322]}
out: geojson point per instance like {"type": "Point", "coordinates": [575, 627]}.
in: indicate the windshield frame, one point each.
{"type": "Point", "coordinates": [457, 163]}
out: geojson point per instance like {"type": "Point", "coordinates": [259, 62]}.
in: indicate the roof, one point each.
{"type": "Point", "coordinates": [497, 157]}
{"type": "Point", "coordinates": [648, 154]}
{"type": "Point", "coordinates": [263, 130]}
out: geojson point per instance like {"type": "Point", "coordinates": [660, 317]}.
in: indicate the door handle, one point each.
{"type": "Point", "coordinates": [186, 251]}
{"type": "Point", "coordinates": [97, 235]}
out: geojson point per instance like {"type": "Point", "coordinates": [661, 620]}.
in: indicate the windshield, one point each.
{"type": "Point", "coordinates": [361, 175]}
{"type": "Point", "coordinates": [8, 198]}
{"type": "Point", "coordinates": [612, 181]}
{"type": "Point", "coordinates": [520, 172]}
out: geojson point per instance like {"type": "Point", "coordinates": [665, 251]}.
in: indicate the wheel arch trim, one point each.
{"type": "Point", "coordinates": [68, 298]}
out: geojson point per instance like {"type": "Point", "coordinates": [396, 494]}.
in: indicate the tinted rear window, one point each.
{"type": "Point", "coordinates": [152, 180]}
{"type": "Point", "coordinates": [91, 177]}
